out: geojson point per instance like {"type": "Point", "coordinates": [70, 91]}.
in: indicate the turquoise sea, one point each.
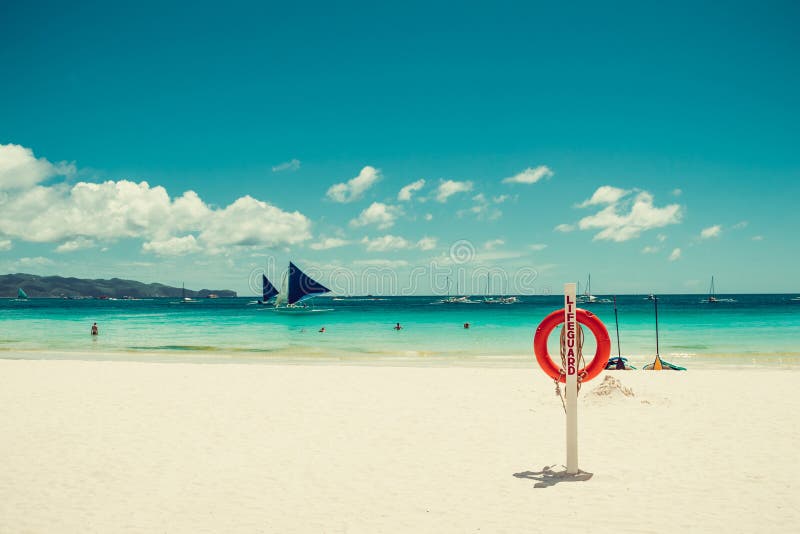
{"type": "Point", "coordinates": [743, 330]}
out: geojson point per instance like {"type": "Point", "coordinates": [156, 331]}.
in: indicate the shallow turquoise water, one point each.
{"type": "Point", "coordinates": [758, 330]}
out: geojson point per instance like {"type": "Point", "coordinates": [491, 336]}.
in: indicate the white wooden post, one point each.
{"type": "Point", "coordinates": [571, 329]}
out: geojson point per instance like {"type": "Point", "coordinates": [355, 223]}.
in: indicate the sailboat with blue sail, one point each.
{"type": "Point", "coordinates": [300, 289]}
{"type": "Point", "coordinates": [267, 290]}
{"type": "Point", "coordinates": [21, 296]}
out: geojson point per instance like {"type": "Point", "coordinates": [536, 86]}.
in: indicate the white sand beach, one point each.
{"type": "Point", "coordinates": [92, 446]}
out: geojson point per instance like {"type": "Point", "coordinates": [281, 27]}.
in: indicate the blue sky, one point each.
{"type": "Point", "coordinates": [679, 121]}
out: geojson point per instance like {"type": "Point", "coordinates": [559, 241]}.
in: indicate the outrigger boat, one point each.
{"type": "Point", "coordinates": [618, 362]}
{"type": "Point", "coordinates": [300, 288]}
{"type": "Point", "coordinates": [268, 290]}
{"type": "Point", "coordinates": [659, 364]}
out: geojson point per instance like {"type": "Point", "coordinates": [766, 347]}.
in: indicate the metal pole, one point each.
{"type": "Point", "coordinates": [571, 327]}
{"type": "Point", "coordinates": [655, 303]}
{"type": "Point", "coordinates": [616, 320]}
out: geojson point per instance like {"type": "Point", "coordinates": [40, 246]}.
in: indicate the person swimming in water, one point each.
{"type": "Point", "coordinates": [322, 330]}
{"type": "Point", "coordinates": [398, 327]}
{"type": "Point", "coordinates": [95, 330]}
{"type": "Point", "coordinates": [466, 325]}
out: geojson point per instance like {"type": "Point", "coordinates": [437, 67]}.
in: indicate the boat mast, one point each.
{"type": "Point", "coordinates": [655, 303]}
{"type": "Point", "coordinates": [616, 320]}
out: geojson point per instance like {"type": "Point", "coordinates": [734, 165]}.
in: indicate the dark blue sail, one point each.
{"type": "Point", "coordinates": [269, 290]}
{"type": "Point", "coordinates": [302, 286]}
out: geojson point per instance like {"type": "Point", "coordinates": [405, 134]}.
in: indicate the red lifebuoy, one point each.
{"type": "Point", "coordinates": [599, 331]}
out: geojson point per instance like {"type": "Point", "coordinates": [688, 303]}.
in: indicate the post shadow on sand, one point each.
{"type": "Point", "coordinates": [550, 477]}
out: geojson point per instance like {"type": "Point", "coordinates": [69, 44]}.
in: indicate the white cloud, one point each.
{"type": "Point", "coordinates": [675, 254]}
{"type": "Point", "coordinates": [564, 227]}
{"type": "Point", "coordinates": [427, 243]}
{"type": "Point", "coordinates": [33, 262]}
{"type": "Point", "coordinates": [677, 192]}
{"type": "Point", "coordinates": [173, 246]}
{"type": "Point", "coordinates": [75, 244]}
{"type": "Point", "coordinates": [113, 210]}
{"type": "Point", "coordinates": [387, 242]}
{"type": "Point", "coordinates": [499, 199]}
{"type": "Point", "coordinates": [650, 250]}
{"type": "Point", "coordinates": [448, 188]}
{"type": "Point", "coordinates": [758, 238]}
{"type": "Point", "coordinates": [106, 210]}
{"type": "Point", "coordinates": [329, 243]}
{"type": "Point", "coordinates": [5, 244]}
{"type": "Point", "coordinates": [537, 246]}
{"type": "Point", "coordinates": [482, 209]}
{"type": "Point", "coordinates": [407, 191]}
{"type": "Point", "coordinates": [626, 218]}
{"type": "Point", "coordinates": [711, 231]}
{"type": "Point", "coordinates": [661, 237]}
{"type": "Point", "coordinates": [530, 175]}
{"type": "Point", "coordinates": [251, 222]}
{"type": "Point", "coordinates": [379, 214]}
{"type": "Point", "coordinates": [428, 216]}
{"type": "Point", "coordinates": [497, 255]}
{"type": "Point", "coordinates": [605, 194]}
{"type": "Point", "coordinates": [493, 244]}
{"type": "Point", "coordinates": [353, 189]}
{"type": "Point", "coordinates": [392, 242]}
{"type": "Point", "coordinates": [291, 165]}
{"type": "Point", "coordinates": [20, 169]}
{"type": "Point", "coordinates": [740, 225]}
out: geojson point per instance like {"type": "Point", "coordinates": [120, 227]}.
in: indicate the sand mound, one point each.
{"type": "Point", "coordinates": [612, 387]}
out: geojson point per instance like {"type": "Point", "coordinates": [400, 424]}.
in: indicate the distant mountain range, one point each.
{"type": "Point", "coordinates": [58, 286]}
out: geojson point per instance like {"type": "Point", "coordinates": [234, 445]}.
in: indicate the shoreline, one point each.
{"type": "Point", "coordinates": [384, 358]}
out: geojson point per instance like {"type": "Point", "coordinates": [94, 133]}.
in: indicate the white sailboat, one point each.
{"type": "Point", "coordinates": [587, 297]}
{"type": "Point", "coordinates": [184, 298]}
{"type": "Point", "coordinates": [454, 299]}
{"type": "Point", "coordinates": [712, 294]}
{"type": "Point", "coordinates": [497, 300]}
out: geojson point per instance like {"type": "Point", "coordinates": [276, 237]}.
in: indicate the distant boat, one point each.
{"type": "Point", "coordinates": [184, 298]}
{"type": "Point", "coordinates": [651, 296]}
{"type": "Point", "coordinates": [712, 294]}
{"type": "Point", "coordinates": [587, 297]}
{"type": "Point", "coordinates": [453, 299]}
{"type": "Point", "coordinates": [497, 300]}
{"type": "Point", "coordinates": [300, 288]}
{"type": "Point", "coordinates": [659, 364]}
{"type": "Point", "coordinates": [267, 290]}
{"type": "Point", "coordinates": [21, 294]}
